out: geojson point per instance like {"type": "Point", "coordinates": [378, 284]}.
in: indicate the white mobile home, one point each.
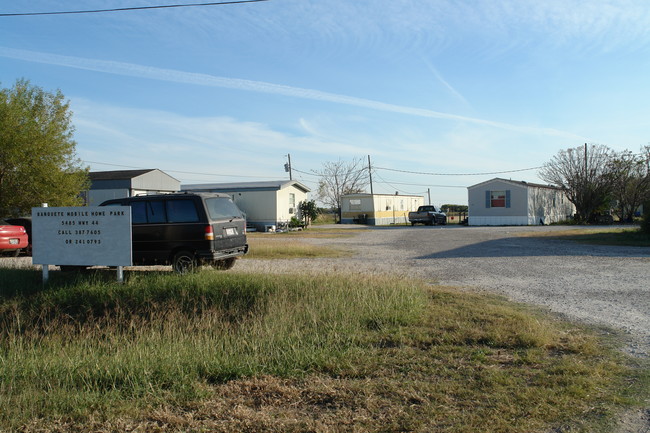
{"type": "Point", "coordinates": [266, 204]}
{"type": "Point", "coordinates": [378, 209]}
{"type": "Point", "coordinates": [500, 202]}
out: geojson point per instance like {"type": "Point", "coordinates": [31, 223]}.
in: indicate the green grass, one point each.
{"type": "Point", "coordinates": [601, 236]}
{"type": "Point", "coordinates": [326, 218]}
{"type": "Point", "coordinates": [222, 351]}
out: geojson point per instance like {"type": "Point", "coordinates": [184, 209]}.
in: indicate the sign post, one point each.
{"type": "Point", "coordinates": [82, 236]}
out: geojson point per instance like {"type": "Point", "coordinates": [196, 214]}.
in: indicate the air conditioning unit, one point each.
{"type": "Point", "coordinates": [291, 210]}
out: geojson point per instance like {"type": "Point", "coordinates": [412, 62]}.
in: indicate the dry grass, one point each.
{"type": "Point", "coordinates": [224, 352]}
{"type": "Point", "coordinates": [280, 246]}
{"type": "Point", "coordinates": [618, 236]}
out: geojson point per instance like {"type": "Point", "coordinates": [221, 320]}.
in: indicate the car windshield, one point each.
{"type": "Point", "coordinates": [221, 208]}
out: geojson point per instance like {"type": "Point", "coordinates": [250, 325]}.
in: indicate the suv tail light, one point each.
{"type": "Point", "coordinates": [209, 233]}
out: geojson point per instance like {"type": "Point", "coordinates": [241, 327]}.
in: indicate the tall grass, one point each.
{"type": "Point", "coordinates": [87, 344]}
{"type": "Point", "coordinates": [222, 351]}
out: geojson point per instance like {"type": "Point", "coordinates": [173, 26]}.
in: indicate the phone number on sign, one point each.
{"type": "Point", "coordinates": [83, 241]}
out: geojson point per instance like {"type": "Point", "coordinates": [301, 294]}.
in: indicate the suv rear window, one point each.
{"type": "Point", "coordinates": [222, 208]}
{"type": "Point", "coordinates": [181, 211]}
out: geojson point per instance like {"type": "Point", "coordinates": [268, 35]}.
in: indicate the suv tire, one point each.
{"type": "Point", "coordinates": [184, 262]}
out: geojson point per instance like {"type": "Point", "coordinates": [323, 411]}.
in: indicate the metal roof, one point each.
{"type": "Point", "coordinates": [515, 182]}
{"type": "Point", "coordinates": [118, 174]}
{"type": "Point", "coordinates": [236, 186]}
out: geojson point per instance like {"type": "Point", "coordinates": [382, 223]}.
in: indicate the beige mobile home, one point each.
{"type": "Point", "coordinates": [378, 209]}
{"type": "Point", "coordinates": [266, 204]}
{"type": "Point", "coordinates": [500, 202]}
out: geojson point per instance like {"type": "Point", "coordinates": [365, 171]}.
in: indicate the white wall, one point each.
{"type": "Point", "coordinates": [98, 196]}
{"type": "Point", "coordinates": [284, 204]}
{"type": "Point", "coordinates": [546, 206]}
{"type": "Point", "coordinates": [258, 205]}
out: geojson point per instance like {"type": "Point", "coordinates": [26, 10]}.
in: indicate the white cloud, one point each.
{"type": "Point", "coordinates": [134, 70]}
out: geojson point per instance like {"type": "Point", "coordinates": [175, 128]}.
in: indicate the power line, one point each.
{"type": "Point", "coordinates": [422, 184]}
{"type": "Point", "coordinates": [304, 172]}
{"type": "Point", "coordinates": [131, 8]}
{"type": "Point", "coordinates": [394, 187]}
{"type": "Point", "coordinates": [457, 174]}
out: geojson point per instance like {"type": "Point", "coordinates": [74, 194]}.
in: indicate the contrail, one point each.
{"type": "Point", "coordinates": [140, 71]}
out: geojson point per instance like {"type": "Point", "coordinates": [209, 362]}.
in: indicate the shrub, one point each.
{"type": "Point", "coordinates": [645, 223]}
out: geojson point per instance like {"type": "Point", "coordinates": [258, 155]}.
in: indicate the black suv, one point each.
{"type": "Point", "coordinates": [185, 230]}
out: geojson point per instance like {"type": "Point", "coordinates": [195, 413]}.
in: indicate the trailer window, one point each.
{"type": "Point", "coordinates": [498, 199]}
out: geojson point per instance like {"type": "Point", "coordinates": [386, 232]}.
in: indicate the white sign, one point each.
{"type": "Point", "coordinates": [82, 236]}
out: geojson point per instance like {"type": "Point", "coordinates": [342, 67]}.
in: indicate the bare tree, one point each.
{"type": "Point", "coordinates": [630, 181]}
{"type": "Point", "coordinates": [585, 176]}
{"type": "Point", "coordinates": [340, 178]}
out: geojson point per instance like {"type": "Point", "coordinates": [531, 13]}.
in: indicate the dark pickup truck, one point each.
{"type": "Point", "coordinates": [427, 215]}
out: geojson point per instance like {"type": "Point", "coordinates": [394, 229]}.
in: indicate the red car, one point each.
{"type": "Point", "coordinates": [12, 239]}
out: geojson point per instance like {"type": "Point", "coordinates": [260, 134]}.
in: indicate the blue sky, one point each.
{"type": "Point", "coordinates": [423, 87]}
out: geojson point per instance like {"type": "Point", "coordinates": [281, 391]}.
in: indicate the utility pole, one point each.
{"type": "Point", "coordinates": [370, 174]}
{"type": "Point", "coordinates": [429, 194]}
{"type": "Point", "coordinates": [287, 166]}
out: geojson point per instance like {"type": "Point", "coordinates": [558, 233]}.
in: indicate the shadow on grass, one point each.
{"type": "Point", "coordinates": [29, 282]}
{"type": "Point", "coordinates": [84, 297]}
{"type": "Point", "coordinates": [628, 238]}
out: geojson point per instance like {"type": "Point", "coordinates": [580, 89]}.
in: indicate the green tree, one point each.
{"type": "Point", "coordinates": [630, 181]}
{"type": "Point", "coordinates": [38, 163]}
{"type": "Point", "coordinates": [459, 208]}
{"type": "Point", "coordinates": [308, 211]}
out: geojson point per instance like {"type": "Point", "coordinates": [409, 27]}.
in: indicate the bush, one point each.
{"type": "Point", "coordinates": [645, 223]}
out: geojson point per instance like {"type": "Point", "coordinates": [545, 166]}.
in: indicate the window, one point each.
{"type": "Point", "coordinates": [156, 211]}
{"type": "Point", "coordinates": [222, 208]}
{"type": "Point", "coordinates": [355, 204]}
{"type": "Point", "coordinates": [147, 212]}
{"type": "Point", "coordinates": [181, 211]}
{"type": "Point", "coordinates": [139, 212]}
{"type": "Point", "coordinates": [497, 199]}
{"type": "Point", "coordinates": [292, 200]}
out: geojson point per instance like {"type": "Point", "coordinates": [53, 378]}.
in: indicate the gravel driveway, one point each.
{"type": "Point", "coordinates": [599, 285]}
